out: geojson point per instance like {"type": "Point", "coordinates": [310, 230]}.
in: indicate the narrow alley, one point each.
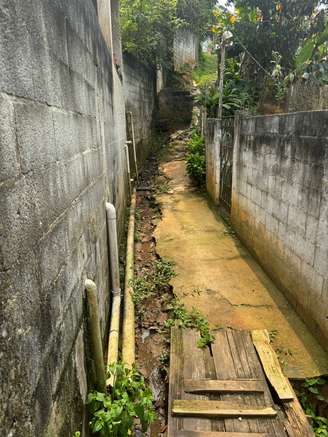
{"type": "Point", "coordinates": [163, 218]}
{"type": "Point", "coordinates": [218, 276]}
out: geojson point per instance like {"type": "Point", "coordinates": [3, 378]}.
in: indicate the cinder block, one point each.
{"type": "Point", "coordinates": [19, 223]}
{"type": "Point", "coordinates": [311, 233]}
{"type": "Point", "coordinates": [74, 133]}
{"type": "Point", "coordinates": [83, 96]}
{"type": "Point", "coordinates": [15, 53]}
{"type": "Point", "coordinates": [54, 249]}
{"type": "Point", "coordinates": [297, 220]}
{"type": "Point", "coordinates": [64, 337]}
{"type": "Point", "coordinates": [93, 164]}
{"type": "Point", "coordinates": [272, 224]}
{"type": "Point", "coordinates": [256, 196]}
{"type": "Point", "coordinates": [46, 75]}
{"type": "Point", "coordinates": [50, 200]}
{"type": "Point", "coordinates": [304, 249]}
{"type": "Point", "coordinates": [321, 261]}
{"type": "Point", "coordinates": [83, 65]}
{"type": "Point", "coordinates": [73, 177]}
{"type": "Point", "coordinates": [9, 165]}
{"type": "Point", "coordinates": [35, 136]}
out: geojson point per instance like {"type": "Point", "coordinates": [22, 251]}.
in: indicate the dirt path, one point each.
{"type": "Point", "coordinates": [218, 276]}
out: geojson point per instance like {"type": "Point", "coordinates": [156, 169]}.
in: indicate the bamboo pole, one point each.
{"type": "Point", "coordinates": [128, 345]}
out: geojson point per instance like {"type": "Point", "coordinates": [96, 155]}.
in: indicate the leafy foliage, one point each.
{"type": "Point", "coordinates": [192, 320]}
{"type": "Point", "coordinates": [148, 27]}
{"type": "Point", "coordinates": [263, 30]}
{"type": "Point", "coordinates": [276, 26]}
{"type": "Point", "coordinates": [150, 282]}
{"type": "Point", "coordinates": [312, 58]}
{"type": "Point", "coordinates": [196, 13]}
{"type": "Point", "coordinates": [114, 413]}
{"type": "Point", "coordinates": [315, 403]}
{"type": "Point", "coordinates": [196, 162]}
{"type": "Point", "coordinates": [236, 92]}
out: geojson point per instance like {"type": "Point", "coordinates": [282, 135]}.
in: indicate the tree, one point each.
{"type": "Point", "coordinates": [267, 26]}
{"type": "Point", "coordinates": [147, 28]}
{"type": "Point", "coordinates": [196, 13]}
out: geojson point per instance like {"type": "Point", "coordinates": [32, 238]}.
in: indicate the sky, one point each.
{"type": "Point", "coordinates": [225, 3]}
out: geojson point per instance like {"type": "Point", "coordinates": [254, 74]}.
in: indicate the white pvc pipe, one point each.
{"type": "Point", "coordinates": [116, 289]}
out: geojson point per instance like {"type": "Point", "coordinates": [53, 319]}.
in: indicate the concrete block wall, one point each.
{"type": "Point", "coordinates": [185, 48]}
{"type": "Point", "coordinates": [62, 133]}
{"type": "Point", "coordinates": [280, 205]}
{"type": "Point", "coordinates": [140, 100]}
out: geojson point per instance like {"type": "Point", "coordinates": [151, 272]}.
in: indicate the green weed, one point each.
{"type": "Point", "coordinates": [311, 396]}
{"type": "Point", "coordinates": [149, 283]}
{"type": "Point", "coordinates": [196, 160]}
{"type": "Point", "coordinates": [162, 187]}
{"type": "Point", "coordinates": [114, 413]}
{"type": "Point", "coordinates": [190, 319]}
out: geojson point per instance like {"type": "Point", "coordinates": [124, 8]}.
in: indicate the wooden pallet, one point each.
{"type": "Point", "coordinates": [223, 392]}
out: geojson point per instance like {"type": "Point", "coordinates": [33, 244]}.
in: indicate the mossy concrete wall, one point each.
{"type": "Point", "coordinates": [280, 205]}
{"type": "Point", "coordinates": [140, 101]}
{"type": "Point", "coordinates": [185, 48]}
{"type": "Point", "coordinates": [62, 134]}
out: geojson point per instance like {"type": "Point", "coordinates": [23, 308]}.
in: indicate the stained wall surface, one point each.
{"type": "Point", "coordinates": [140, 100]}
{"type": "Point", "coordinates": [185, 48]}
{"type": "Point", "coordinates": [62, 134]}
{"type": "Point", "coordinates": [280, 205]}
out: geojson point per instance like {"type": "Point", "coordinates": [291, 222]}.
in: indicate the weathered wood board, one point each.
{"type": "Point", "coordinates": [271, 365]}
{"type": "Point", "coordinates": [223, 392]}
{"type": "Point", "coordinates": [218, 409]}
{"type": "Point", "coordinates": [228, 386]}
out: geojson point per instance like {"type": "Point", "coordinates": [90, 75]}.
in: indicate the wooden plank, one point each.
{"type": "Point", "coordinates": [223, 386]}
{"type": "Point", "coordinates": [226, 369]}
{"type": "Point", "coordinates": [219, 434]}
{"type": "Point", "coordinates": [271, 365]}
{"type": "Point", "coordinates": [194, 368]}
{"type": "Point", "coordinates": [218, 409]}
{"type": "Point", "coordinates": [175, 377]}
{"type": "Point", "coordinates": [210, 372]}
{"type": "Point", "coordinates": [238, 342]}
{"type": "Point", "coordinates": [273, 426]}
{"type": "Point", "coordinates": [296, 423]}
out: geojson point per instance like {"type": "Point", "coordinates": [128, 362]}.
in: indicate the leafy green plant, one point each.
{"type": "Point", "coordinates": [148, 283]}
{"type": "Point", "coordinates": [196, 161]}
{"type": "Point", "coordinates": [114, 413]}
{"type": "Point", "coordinates": [145, 24]}
{"type": "Point", "coordinates": [196, 14]}
{"type": "Point", "coordinates": [311, 59]}
{"type": "Point", "coordinates": [77, 434]}
{"type": "Point", "coordinates": [236, 92]}
{"type": "Point", "coordinates": [314, 403]}
{"type": "Point", "coordinates": [190, 319]}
